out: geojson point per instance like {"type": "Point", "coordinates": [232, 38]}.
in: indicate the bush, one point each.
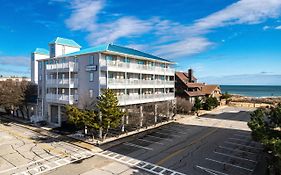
{"type": "Point", "coordinates": [211, 103]}
{"type": "Point", "coordinates": [197, 104]}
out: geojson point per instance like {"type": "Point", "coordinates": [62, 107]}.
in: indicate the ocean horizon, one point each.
{"type": "Point", "coordinates": [253, 90]}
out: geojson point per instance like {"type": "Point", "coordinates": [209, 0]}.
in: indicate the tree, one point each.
{"type": "Point", "coordinates": [226, 96]}
{"type": "Point", "coordinates": [197, 104]}
{"type": "Point", "coordinates": [266, 128]}
{"type": "Point", "coordinates": [82, 117]}
{"type": "Point", "coordinates": [110, 113]}
{"type": "Point", "coordinates": [210, 103]}
{"type": "Point", "coordinates": [183, 106]}
{"type": "Point", "coordinates": [11, 95]}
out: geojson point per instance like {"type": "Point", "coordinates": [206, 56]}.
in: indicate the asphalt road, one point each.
{"type": "Point", "coordinates": [218, 143]}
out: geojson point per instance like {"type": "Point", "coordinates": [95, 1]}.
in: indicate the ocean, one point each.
{"type": "Point", "coordinates": [252, 90]}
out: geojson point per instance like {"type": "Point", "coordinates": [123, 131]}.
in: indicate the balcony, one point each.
{"type": "Point", "coordinates": [71, 66]}
{"type": "Point", "coordinates": [61, 98]}
{"type": "Point", "coordinates": [136, 68]}
{"type": "Point", "coordinates": [137, 83]}
{"type": "Point", "coordinates": [144, 98]}
{"type": "Point", "coordinates": [72, 83]}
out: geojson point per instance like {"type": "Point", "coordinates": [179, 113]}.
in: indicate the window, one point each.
{"type": "Point", "coordinates": [40, 64]}
{"type": "Point", "coordinates": [91, 59]}
{"type": "Point", "coordinates": [91, 76]}
{"type": "Point", "coordinates": [91, 93]}
{"type": "Point", "coordinates": [40, 77]}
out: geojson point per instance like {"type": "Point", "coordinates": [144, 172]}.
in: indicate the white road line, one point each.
{"type": "Point", "coordinates": [174, 131]}
{"type": "Point", "coordinates": [243, 145]}
{"type": "Point", "coordinates": [137, 164]}
{"type": "Point", "coordinates": [166, 134]}
{"type": "Point", "coordinates": [148, 135]}
{"type": "Point", "coordinates": [243, 133]}
{"type": "Point", "coordinates": [237, 150]}
{"type": "Point", "coordinates": [240, 135]}
{"type": "Point", "coordinates": [225, 163]}
{"type": "Point", "coordinates": [40, 160]}
{"type": "Point", "coordinates": [51, 168]}
{"type": "Point", "coordinates": [211, 171]}
{"type": "Point", "coordinates": [236, 157]}
{"type": "Point", "coordinates": [137, 146]}
{"type": "Point", "coordinates": [149, 141]}
{"type": "Point", "coordinates": [232, 138]}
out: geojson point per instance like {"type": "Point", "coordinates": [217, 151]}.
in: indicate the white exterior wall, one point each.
{"type": "Point", "coordinates": [34, 65]}
{"type": "Point", "coordinates": [61, 50]}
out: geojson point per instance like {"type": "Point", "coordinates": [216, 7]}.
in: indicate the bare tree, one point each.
{"type": "Point", "coordinates": [183, 106]}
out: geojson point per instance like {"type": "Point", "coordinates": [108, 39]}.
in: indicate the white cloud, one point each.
{"type": "Point", "coordinates": [173, 39]}
{"type": "Point", "coordinates": [266, 27]}
{"type": "Point", "coordinates": [21, 61]}
{"type": "Point", "coordinates": [278, 28]}
{"type": "Point", "coordinates": [181, 48]}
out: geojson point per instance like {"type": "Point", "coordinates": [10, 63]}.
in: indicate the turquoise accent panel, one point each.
{"type": "Point", "coordinates": [65, 41]}
{"type": "Point", "coordinates": [41, 51]}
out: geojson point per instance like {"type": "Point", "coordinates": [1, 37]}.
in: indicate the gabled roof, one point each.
{"type": "Point", "coordinates": [41, 51]}
{"type": "Point", "coordinates": [117, 49]}
{"type": "Point", "coordinates": [184, 77]}
{"type": "Point", "coordinates": [65, 41]}
{"type": "Point", "coordinates": [209, 89]}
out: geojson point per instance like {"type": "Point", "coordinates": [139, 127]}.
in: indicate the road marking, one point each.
{"type": "Point", "coordinates": [148, 135]}
{"type": "Point", "coordinates": [225, 163]}
{"type": "Point", "coordinates": [237, 150]}
{"type": "Point", "coordinates": [48, 168]}
{"type": "Point", "coordinates": [236, 157]}
{"type": "Point", "coordinates": [249, 141]}
{"type": "Point", "coordinates": [146, 166]}
{"type": "Point", "coordinates": [137, 146]}
{"type": "Point", "coordinates": [243, 145]}
{"type": "Point", "coordinates": [174, 131]}
{"type": "Point", "coordinates": [34, 162]}
{"type": "Point", "coordinates": [211, 171]}
{"type": "Point", "coordinates": [241, 135]}
{"type": "Point", "coordinates": [182, 149]}
{"type": "Point", "coordinates": [166, 134]}
{"type": "Point", "coordinates": [150, 141]}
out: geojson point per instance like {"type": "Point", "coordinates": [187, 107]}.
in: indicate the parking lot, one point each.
{"type": "Point", "coordinates": [25, 152]}
{"type": "Point", "coordinates": [218, 143]}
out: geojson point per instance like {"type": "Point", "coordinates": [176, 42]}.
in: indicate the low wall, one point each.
{"type": "Point", "coordinates": [249, 104]}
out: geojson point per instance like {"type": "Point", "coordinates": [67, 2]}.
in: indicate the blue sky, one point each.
{"type": "Point", "coordinates": [225, 42]}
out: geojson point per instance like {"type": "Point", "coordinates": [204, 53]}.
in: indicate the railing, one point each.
{"type": "Point", "coordinates": [61, 98]}
{"type": "Point", "coordinates": [112, 81]}
{"type": "Point", "coordinates": [71, 65]}
{"type": "Point", "coordinates": [135, 66]}
{"type": "Point", "coordinates": [142, 98]}
{"type": "Point", "coordinates": [65, 81]}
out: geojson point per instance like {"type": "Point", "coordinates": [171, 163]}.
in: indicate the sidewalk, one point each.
{"type": "Point", "coordinates": [46, 132]}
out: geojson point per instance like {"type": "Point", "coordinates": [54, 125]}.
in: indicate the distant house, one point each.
{"type": "Point", "coordinates": [187, 87]}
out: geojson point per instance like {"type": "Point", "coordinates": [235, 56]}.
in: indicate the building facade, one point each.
{"type": "Point", "coordinates": [187, 87]}
{"type": "Point", "coordinates": [37, 55]}
{"type": "Point", "coordinates": [72, 76]}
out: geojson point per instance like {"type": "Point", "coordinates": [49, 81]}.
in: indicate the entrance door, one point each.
{"type": "Point", "coordinates": [54, 114]}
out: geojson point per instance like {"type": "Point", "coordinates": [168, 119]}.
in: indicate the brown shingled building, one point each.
{"type": "Point", "coordinates": [188, 87]}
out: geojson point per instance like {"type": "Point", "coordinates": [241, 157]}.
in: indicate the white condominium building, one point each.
{"type": "Point", "coordinates": [72, 76]}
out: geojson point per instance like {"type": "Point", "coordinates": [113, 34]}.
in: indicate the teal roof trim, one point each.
{"type": "Point", "coordinates": [65, 41]}
{"type": "Point", "coordinates": [117, 49]}
{"type": "Point", "coordinates": [41, 51]}
{"type": "Point", "coordinates": [130, 51]}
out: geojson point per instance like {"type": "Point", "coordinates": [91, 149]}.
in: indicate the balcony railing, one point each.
{"type": "Point", "coordinates": [65, 81]}
{"type": "Point", "coordinates": [144, 98]}
{"type": "Point", "coordinates": [61, 98]}
{"type": "Point", "coordinates": [135, 66]}
{"type": "Point", "coordinates": [71, 65]}
{"type": "Point", "coordinates": [112, 81]}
